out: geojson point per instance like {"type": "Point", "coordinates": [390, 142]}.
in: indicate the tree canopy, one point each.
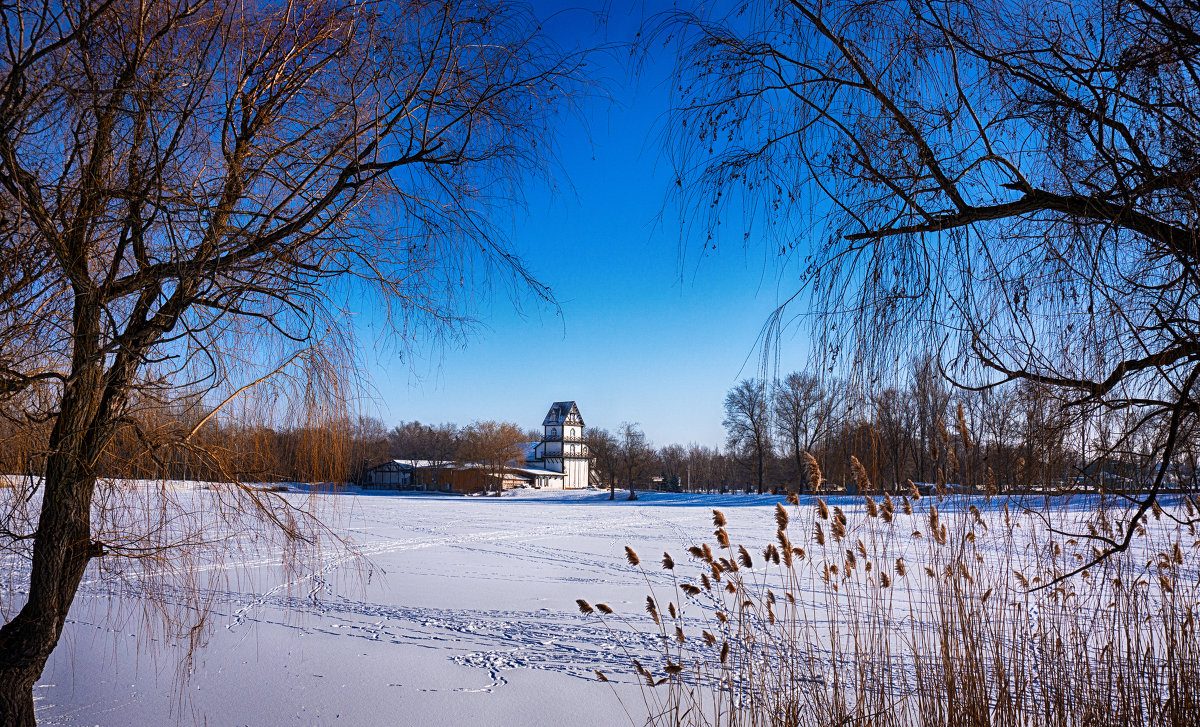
{"type": "Point", "coordinates": [1013, 183]}
{"type": "Point", "coordinates": [187, 190]}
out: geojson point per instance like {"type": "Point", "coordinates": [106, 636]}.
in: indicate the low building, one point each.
{"type": "Point", "coordinates": [543, 478]}
{"type": "Point", "coordinates": [393, 475]}
{"type": "Point", "coordinates": [401, 474]}
{"type": "Point", "coordinates": [470, 478]}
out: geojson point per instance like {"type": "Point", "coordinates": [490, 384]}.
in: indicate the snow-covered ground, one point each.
{"type": "Point", "coordinates": [468, 617]}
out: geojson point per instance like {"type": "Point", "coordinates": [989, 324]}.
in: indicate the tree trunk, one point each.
{"type": "Point", "coordinates": [799, 465]}
{"type": "Point", "coordinates": [62, 544]}
{"type": "Point", "coordinates": [16, 698]}
{"type": "Point", "coordinates": [62, 549]}
{"type": "Point", "coordinates": [760, 469]}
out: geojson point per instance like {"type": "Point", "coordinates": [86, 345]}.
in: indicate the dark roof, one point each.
{"type": "Point", "coordinates": [563, 412]}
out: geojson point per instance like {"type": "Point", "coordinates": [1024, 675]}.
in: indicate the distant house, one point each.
{"type": "Point", "coordinates": [456, 477]}
{"type": "Point", "coordinates": [402, 474]}
{"type": "Point", "coordinates": [560, 461]}
{"type": "Point", "coordinates": [562, 449]}
{"type": "Point", "coordinates": [469, 478]}
{"type": "Point", "coordinates": [394, 475]}
{"type": "Point", "coordinates": [464, 479]}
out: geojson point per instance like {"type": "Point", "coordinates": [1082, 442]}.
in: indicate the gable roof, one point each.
{"type": "Point", "coordinates": [563, 412]}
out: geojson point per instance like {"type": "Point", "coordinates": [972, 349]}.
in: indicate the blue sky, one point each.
{"type": "Point", "coordinates": [644, 335]}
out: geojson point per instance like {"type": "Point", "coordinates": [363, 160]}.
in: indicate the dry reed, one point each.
{"type": "Point", "coordinates": [967, 626]}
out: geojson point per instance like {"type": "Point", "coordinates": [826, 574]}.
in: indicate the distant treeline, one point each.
{"type": "Point", "coordinates": [920, 428]}
{"type": "Point", "coordinates": [1017, 437]}
{"type": "Point", "coordinates": [159, 442]}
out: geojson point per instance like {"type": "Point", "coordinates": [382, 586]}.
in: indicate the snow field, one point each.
{"type": "Point", "coordinates": [464, 611]}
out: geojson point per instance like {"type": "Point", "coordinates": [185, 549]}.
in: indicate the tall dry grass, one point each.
{"type": "Point", "coordinates": [909, 611]}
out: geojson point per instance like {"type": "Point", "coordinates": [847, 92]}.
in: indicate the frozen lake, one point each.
{"type": "Point", "coordinates": [467, 615]}
{"type": "Point", "coordinates": [469, 618]}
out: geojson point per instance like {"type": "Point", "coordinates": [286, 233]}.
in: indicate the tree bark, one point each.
{"type": "Point", "coordinates": [62, 549]}
{"type": "Point", "coordinates": [62, 544]}
{"type": "Point", "coordinates": [16, 701]}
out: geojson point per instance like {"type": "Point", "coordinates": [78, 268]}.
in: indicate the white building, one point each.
{"type": "Point", "coordinates": [562, 448]}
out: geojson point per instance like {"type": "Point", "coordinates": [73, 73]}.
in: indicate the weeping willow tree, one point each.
{"type": "Point", "coordinates": [1011, 183]}
{"type": "Point", "coordinates": [194, 196]}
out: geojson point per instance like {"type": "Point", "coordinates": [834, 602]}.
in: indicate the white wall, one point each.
{"type": "Point", "coordinates": [577, 473]}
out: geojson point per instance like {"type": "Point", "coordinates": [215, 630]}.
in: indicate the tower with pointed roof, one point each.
{"type": "Point", "coordinates": [562, 448]}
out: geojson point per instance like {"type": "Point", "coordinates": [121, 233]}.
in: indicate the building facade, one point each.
{"type": "Point", "coordinates": [562, 448]}
{"type": "Point", "coordinates": [560, 461]}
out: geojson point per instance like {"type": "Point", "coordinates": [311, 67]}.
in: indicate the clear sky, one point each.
{"type": "Point", "coordinates": [645, 335]}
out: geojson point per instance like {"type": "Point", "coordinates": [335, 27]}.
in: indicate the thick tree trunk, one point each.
{"type": "Point", "coordinates": [16, 700]}
{"type": "Point", "coordinates": [62, 543]}
{"type": "Point", "coordinates": [62, 549]}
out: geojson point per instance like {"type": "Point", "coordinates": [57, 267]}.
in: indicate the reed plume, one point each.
{"type": "Point", "coordinates": [781, 517]}
{"type": "Point", "coordinates": [964, 431]}
{"type": "Point", "coordinates": [812, 473]}
{"type": "Point", "coordinates": [837, 648]}
{"type": "Point", "coordinates": [744, 557]}
{"type": "Point", "coordinates": [859, 473]}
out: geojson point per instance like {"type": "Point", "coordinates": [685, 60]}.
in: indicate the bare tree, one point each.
{"type": "Point", "coordinates": [368, 446]}
{"type": "Point", "coordinates": [494, 445]}
{"type": "Point", "coordinates": [673, 462]}
{"type": "Point", "coordinates": [1016, 181]}
{"type": "Point", "coordinates": [706, 468]}
{"type": "Point", "coordinates": [434, 442]}
{"type": "Point", "coordinates": [635, 455]}
{"type": "Point", "coordinates": [931, 396]}
{"type": "Point", "coordinates": [186, 189]}
{"type": "Point", "coordinates": [803, 406]}
{"type": "Point", "coordinates": [998, 423]}
{"type": "Point", "coordinates": [1043, 430]}
{"type": "Point", "coordinates": [437, 444]}
{"type": "Point", "coordinates": [748, 425]}
{"type": "Point", "coordinates": [894, 419]}
{"type": "Point", "coordinates": [602, 448]}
